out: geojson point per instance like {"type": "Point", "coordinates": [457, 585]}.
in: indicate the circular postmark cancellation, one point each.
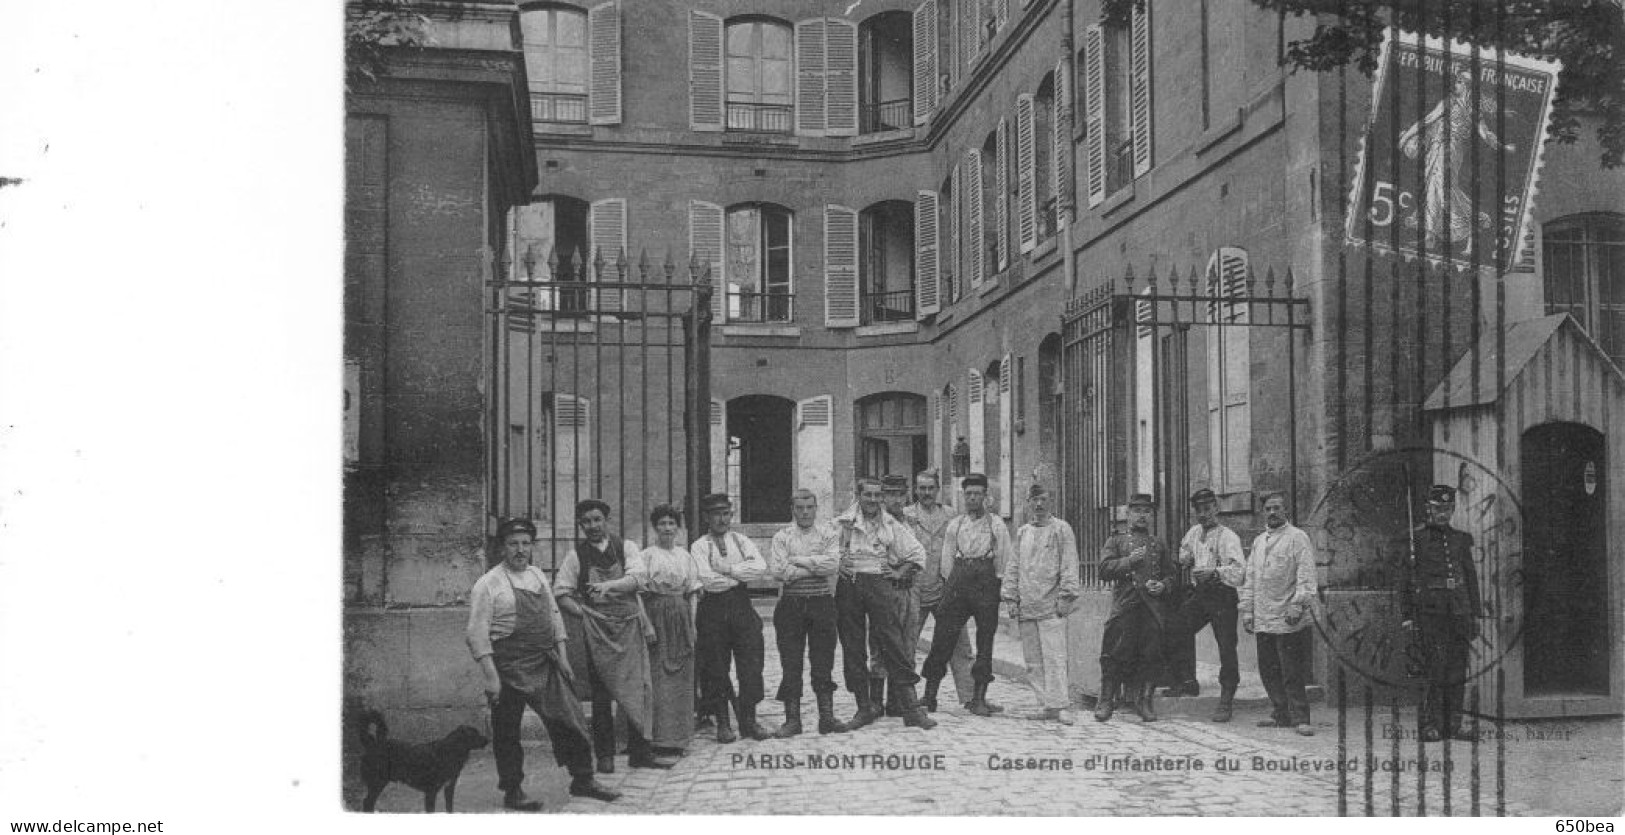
{"type": "Point", "coordinates": [1381, 563]}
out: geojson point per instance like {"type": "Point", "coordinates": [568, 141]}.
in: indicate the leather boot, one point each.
{"type": "Point", "coordinates": [1105, 703]}
{"type": "Point", "coordinates": [978, 701]}
{"type": "Point", "coordinates": [1227, 698]}
{"type": "Point", "coordinates": [930, 700]}
{"type": "Point", "coordinates": [877, 694]}
{"type": "Point", "coordinates": [827, 723]}
{"type": "Point", "coordinates": [1144, 707]}
{"type": "Point", "coordinates": [894, 703]}
{"type": "Point", "coordinates": [914, 716]}
{"type": "Point", "coordinates": [792, 720]}
{"type": "Point", "coordinates": [586, 786]}
{"type": "Point", "coordinates": [640, 754]}
{"type": "Point", "coordinates": [748, 728]}
{"type": "Point", "coordinates": [867, 712]}
{"type": "Point", "coordinates": [725, 730]}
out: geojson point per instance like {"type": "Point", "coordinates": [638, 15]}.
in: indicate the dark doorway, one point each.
{"type": "Point", "coordinates": [763, 426]}
{"type": "Point", "coordinates": [892, 434]}
{"type": "Point", "coordinates": [1565, 561]}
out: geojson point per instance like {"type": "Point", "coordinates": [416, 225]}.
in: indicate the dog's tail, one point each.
{"type": "Point", "coordinates": [373, 729]}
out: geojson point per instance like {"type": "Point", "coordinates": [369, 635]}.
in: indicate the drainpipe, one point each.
{"type": "Point", "coordinates": [1066, 201]}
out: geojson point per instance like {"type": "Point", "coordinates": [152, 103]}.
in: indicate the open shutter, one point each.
{"type": "Point", "coordinates": [956, 237]}
{"type": "Point", "coordinates": [1026, 176]}
{"type": "Point", "coordinates": [975, 415]}
{"type": "Point", "coordinates": [604, 57]}
{"type": "Point", "coordinates": [840, 267]}
{"type": "Point", "coordinates": [975, 253]}
{"type": "Point", "coordinates": [840, 78]}
{"type": "Point", "coordinates": [1001, 13]}
{"type": "Point", "coordinates": [572, 458]}
{"type": "Point", "coordinates": [1229, 370]}
{"type": "Point", "coordinates": [705, 243]}
{"type": "Point", "coordinates": [704, 71]}
{"type": "Point", "coordinates": [1094, 120]}
{"type": "Point", "coordinates": [1001, 187]}
{"type": "Point", "coordinates": [1007, 435]}
{"type": "Point", "coordinates": [1530, 257]}
{"type": "Point", "coordinates": [719, 447]}
{"type": "Point", "coordinates": [926, 249]}
{"type": "Point", "coordinates": [925, 61]}
{"type": "Point", "coordinates": [606, 229]}
{"type": "Point", "coordinates": [934, 442]}
{"type": "Point", "coordinates": [810, 84]}
{"type": "Point", "coordinates": [970, 33]}
{"type": "Point", "coordinates": [954, 58]}
{"type": "Point", "coordinates": [1140, 86]}
{"type": "Point", "coordinates": [815, 450]}
{"type": "Point", "coordinates": [1061, 129]}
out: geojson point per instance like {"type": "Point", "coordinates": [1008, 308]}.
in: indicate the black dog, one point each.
{"type": "Point", "coordinates": [425, 767]}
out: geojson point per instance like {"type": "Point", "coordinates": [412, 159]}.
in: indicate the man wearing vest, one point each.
{"type": "Point", "coordinates": [1139, 567]}
{"type": "Point", "coordinates": [878, 561]}
{"type": "Point", "coordinates": [726, 626]}
{"type": "Point", "coordinates": [975, 549]}
{"type": "Point", "coordinates": [928, 520]}
{"type": "Point", "coordinates": [804, 557]}
{"type": "Point", "coordinates": [1217, 566]}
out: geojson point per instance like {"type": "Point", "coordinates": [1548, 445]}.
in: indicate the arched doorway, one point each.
{"type": "Point", "coordinates": [892, 434]}
{"type": "Point", "coordinates": [761, 440]}
{"type": "Point", "coordinates": [1565, 563]}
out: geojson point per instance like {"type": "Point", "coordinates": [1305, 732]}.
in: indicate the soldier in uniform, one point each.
{"type": "Point", "coordinates": [1140, 569]}
{"type": "Point", "coordinates": [1440, 604]}
{"type": "Point", "coordinates": [894, 495]}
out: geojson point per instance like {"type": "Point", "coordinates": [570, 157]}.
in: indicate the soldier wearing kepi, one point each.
{"type": "Point", "coordinates": [1213, 554]}
{"type": "Point", "coordinates": [804, 556]}
{"type": "Point", "coordinates": [1140, 569]}
{"type": "Point", "coordinates": [727, 628]}
{"type": "Point", "coordinates": [976, 548]}
{"type": "Point", "coordinates": [1041, 585]}
{"type": "Point", "coordinates": [1440, 605]}
{"type": "Point", "coordinates": [928, 520]}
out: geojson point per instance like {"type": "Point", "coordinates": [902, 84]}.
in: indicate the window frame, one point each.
{"type": "Point", "coordinates": [547, 98]}
{"type": "Point", "coordinates": [763, 282]}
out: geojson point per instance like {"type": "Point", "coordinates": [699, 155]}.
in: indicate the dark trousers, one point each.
{"type": "Point", "coordinates": [727, 629]}
{"type": "Point", "coordinates": [1283, 664]}
{"type": "Point", "coordinates": [805, 627]}
{"type": "Point", "coordinates": [1131, 648]}
{"type": "Point", "coordinates": [1208, 604]}
{"type": "Point", "coordinates": [865, 602]}
{"type": "Point", "coordinates": [1446, 639]}
{"type": "Point", "coordinates": [570, 748]}
{"type": "Point", "coordinates": [972, 591]}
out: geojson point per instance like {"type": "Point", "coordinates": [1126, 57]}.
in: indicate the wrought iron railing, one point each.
{"type": "Point", "coordinates": [760, 118]}
{"type": "Point", "coordinates": [761, 308]}
{"type": "Point", "coordinates": [569, 108]}
{"type": "Point", "coordinates": [875, 117]}
{"type": "Point", "coordinates": [895, 306]}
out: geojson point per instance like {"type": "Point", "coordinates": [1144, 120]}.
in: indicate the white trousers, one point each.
{"type": "Point", "coordinates": [1043, 643]}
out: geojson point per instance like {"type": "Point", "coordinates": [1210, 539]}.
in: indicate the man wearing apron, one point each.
{"type": "Point", "coordinates": [517, 637]}
{"type": "Point", "coordinates": [609, 636]}
{"type": "Point", "coordinates": [975, 549]}
{"type": "Point", "coordinates": [727, 628]}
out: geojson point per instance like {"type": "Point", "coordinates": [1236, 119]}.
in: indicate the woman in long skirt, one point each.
{"type": "Point", "coordinates": [670, 581]}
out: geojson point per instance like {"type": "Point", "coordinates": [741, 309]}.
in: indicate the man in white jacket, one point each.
{"type": "Point", "coordinates": [1275, 602]}
{"type": "Point", "coordinates": [1041, 585]}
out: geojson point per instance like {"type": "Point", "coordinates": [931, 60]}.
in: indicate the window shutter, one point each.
{"type": "Point", "coordinates": [705, 243]}
{"type": "Point", "coordinates": [1140, 86]}
{"type": "Point", "coordinates": [1001, 185]}
{"type": "Point", "coordinates": [970, 34]}
{"type": "Point", "coordinates": [840, 77]}
{"type": "Point", "coordinates": [1229, 370]}
{"type": "Point", "coordinates": [810, 85]}
{"type": "Point", "coordinates": [975, 417]}
{"type": "Point", "coordinates": [1094, 120]}
{"type": "Point", "coordinates": [973, 218]}
{"type": "Point", "coordinates": [606, 233]}
{"type": "Point", "coordinates": [840, 267]}
{"type": "Point", "coordinates": [1001, 13]}
{"type": "Point", "coordinates": [704, 71]}
{"type": "Point", "coordinates": [926, 248]}
{"type": "Point", "coordinates": [925, 61]}
{"type": "Point", "coordinates": [1060, 129]}
{"type": "Point", "coordinates": [954, 59]}
{"type": "Point", "coordinates": [572, 456]}
{"type": "Point", "coordinates": [1530, 257]}
{"type": "Point", "coordinates": [953, 410]}
{"type": "Point", "coordinates": [604, 48]}
{"type": "Point", "coordinates": [934, 442]}
{"type": "Point", "coordinates": [815, 449]}
{"type": "Point", "coordinates": [955, 237]}
{"type": "Point", "coordinates": [1026, 177]}
{"type": "Point", "coordinates": [719, 447]}
{"type": "Point", "coordinates": [1007, 434]}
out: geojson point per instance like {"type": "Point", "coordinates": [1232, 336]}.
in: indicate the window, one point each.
{"type": "Point", "coordinates": [555, 46]}
{"type": "Point", "coordinates": [948, 257]}
{"type": "Point", "coordinates": [1229, 375]}
{"type": "Point", "coordinates": [885, 70]}
{"type": "Point", "coordinates": [1044, 156]}
{"type": "Point", "coordinates": [892, 434]}
{"type": "Point", "coordinates": [1585, 275]}
{"type": "Point", "coordinates": [759, 94]}
{"type": "Point", "coordinates": [758, 264]}
{"type": "Point", "coordinates": [987, 249]}
{"type": "Point", "coordinates": [1118, 136]}
{"type": "Point", "coordinates": [761, 443]}
{"type": "Point", "coordinates": [548, 242]}
{"type": "Point", "coordinates": [886, 271]}
{"type": "Point", "coordinates": [546, 458]}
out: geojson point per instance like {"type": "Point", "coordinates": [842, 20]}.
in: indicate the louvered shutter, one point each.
{"type": "Point", "coordinates": [704, 71]}
{"type": "Point", "coordinates": [810, 84]}
{"type": "Point", "coordinates": [926, 249]}
{"type": "Point", "coordinates": [1001, 187]}
{"type": "Point", "coordinates": [975, 416]}
{"type": "Point", "coordinates": [975, 251]}
{"type": "Point", "coordinates": [1530, 257]}
{"type": "Point", "coordinates": [1061, 130]}
{"type": "Point", "coordinates": [1007, 433]}
{"type": "Point", "coordinates": [1026, 176]}
{"type": "Point", "coordinates": [1229, 370]}
{"type": "Point", "coordinates": [719, 447]}
{"type": "Point", "coordinates": [970, 31]}
{"type": "Point", "coordinates": [956, 261]}
{"type": "Point", "coordinates": [840, 78]}
{"type": "Point", "coordinates": [953, 411]}
{"type": "Point", "coordinates": [1094, 121]}
{"type": "Point", "coordinates": [606, 230]}
{"type": "Point", "coordinates": [954, 58]}
{"type": "Point", "coordinates": [815, 450]}
{"type": "Point", "coordinates": [840, 267]}
{"type": "Point", "coordinates": [925, 61]}
{"type": "Point", "coordinates": [705, 243]}
{"type": "Point", "coordinates": [572, 456]}
{"type": "Point", "coordinates": [604, 58]}
{"type": "Point", "coordinates": [1001, 13]}
{"type": "Point", "coordinates": [934, 442]}
{"type": "Point", "coordinates": [1140, 86]}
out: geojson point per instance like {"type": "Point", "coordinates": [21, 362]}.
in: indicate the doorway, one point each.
{"type": "Point", "coordinates": [763, 429]}
{"type": "Point", "coordinates": [1565, 592]}
{"type": "Point", "coordinates": [892, 434]}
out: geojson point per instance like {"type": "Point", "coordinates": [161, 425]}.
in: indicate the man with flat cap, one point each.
{"type": "Point", "coordinates": [1217, 566]}
{"type": "Point", "coordinates": [727, 628]}
{"type": "Point", "coordinates": [1439, 603]}
{"type": "Point", "coordinates": [1140, 569]}
{"type": "Point", "coordinates": [976, 547]}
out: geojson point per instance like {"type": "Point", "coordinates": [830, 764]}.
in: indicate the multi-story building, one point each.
{"type": "Point", "coordinates": [1109, 256]}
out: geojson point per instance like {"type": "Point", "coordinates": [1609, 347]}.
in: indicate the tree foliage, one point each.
{"type": "Point", "coordinates": [372, 28]}
{"type": "Point", "coordinates": [1586, 36]}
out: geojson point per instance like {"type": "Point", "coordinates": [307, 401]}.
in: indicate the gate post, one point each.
{"type": "Point", "coordinates": [697, 394]}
